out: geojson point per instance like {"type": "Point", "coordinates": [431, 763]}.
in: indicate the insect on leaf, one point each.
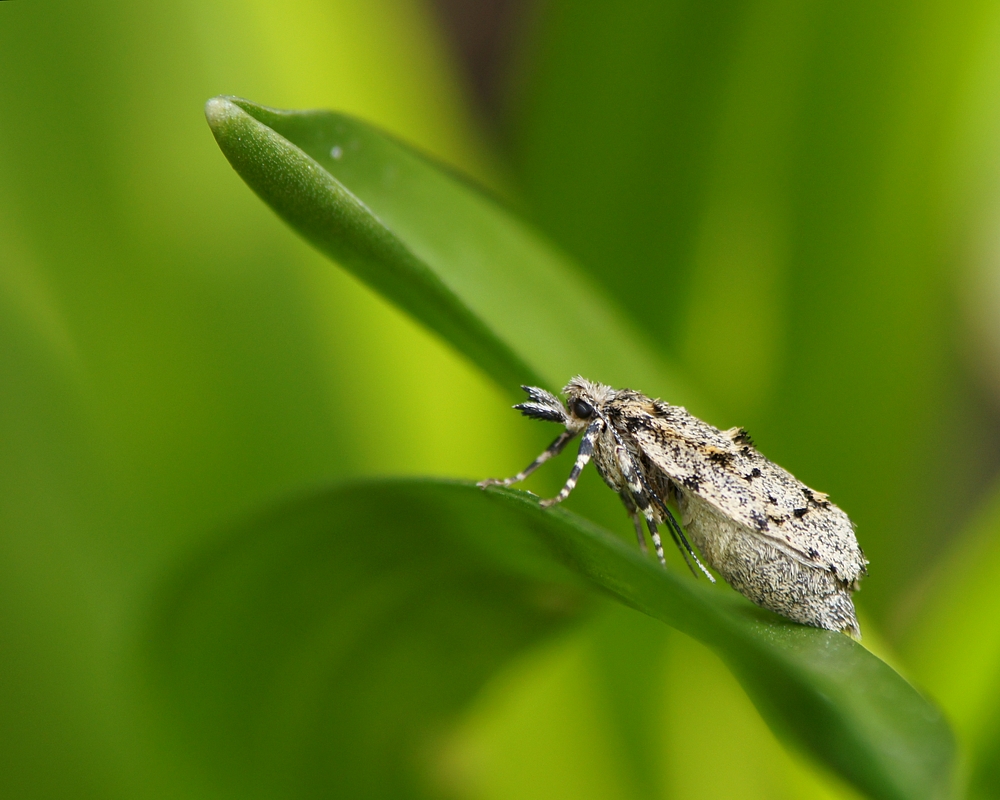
{"type": "Point", "coordinates": [773, 539]}
{"type": "Point", "coordinates": [467, 269]}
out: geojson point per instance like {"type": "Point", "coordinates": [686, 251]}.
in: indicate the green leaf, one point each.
{"type": "Point", "coordinates": [444, 252]}
{"type": "Point", "coordinates": [327, 643]}
{"type": "Point", "coordinates": [323, 647]}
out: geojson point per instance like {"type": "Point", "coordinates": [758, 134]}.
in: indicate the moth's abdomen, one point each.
{"type": "Point", "coordinates": [765, 574]}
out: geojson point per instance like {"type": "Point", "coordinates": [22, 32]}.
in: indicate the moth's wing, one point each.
{"type": "Point", "coordinates": [725, 470]}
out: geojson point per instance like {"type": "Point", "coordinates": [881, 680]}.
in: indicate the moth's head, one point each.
{"type": "Point", "coordinates": [585, 400]}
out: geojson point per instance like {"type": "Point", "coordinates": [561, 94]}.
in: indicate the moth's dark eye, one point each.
{"type": "Point", "coordinates": [582, 409]}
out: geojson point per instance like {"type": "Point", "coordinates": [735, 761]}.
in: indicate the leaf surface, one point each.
{"type": "Point", "coordinates": [346, 640]}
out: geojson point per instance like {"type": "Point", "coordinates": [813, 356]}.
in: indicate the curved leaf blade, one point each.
{"type": "Point", "coordinates": [339, 224]}
{"type": "Point", "coordinates": [292, 583]}
{"type": "Point", "coordinates": [307, 657]}
{"type": "Point", "coordinates": [819, 690]}
{"type": "Point", "coordinates": [444, 252]}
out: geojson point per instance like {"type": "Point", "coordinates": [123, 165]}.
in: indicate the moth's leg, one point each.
{"type": "Point", "coordinates": [677, 532]}
{"type": "Point", "coordinates": [639, 497]}
{"type": "Point", "coordinates": [655, 536]}
{"type": "Point", "coordinates": [553, 449]}
{"type": "Point", "coordinates": [636, 521]}
{"type": "Point", "coordinates": [586, 450]}
{"type": "Point", "coordinates": [685, 548]}
{"type": "Point", "coordinates": [644, 496]}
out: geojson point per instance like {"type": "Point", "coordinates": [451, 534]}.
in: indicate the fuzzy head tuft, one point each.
{"type": "Point", "coordinates": [584, 401]}
{"type": "Point", "coordinates": [596, 394]}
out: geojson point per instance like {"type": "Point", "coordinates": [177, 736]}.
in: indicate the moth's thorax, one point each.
{"type": "Point", "coordinates": [606, 460]}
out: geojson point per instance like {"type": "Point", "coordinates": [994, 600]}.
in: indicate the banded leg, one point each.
{"type": "Point", "coordinates": [654, 534]}
{"type": "Point", "coordinates": [553, 449]}
{"type": "Point", "coordinates": [637, 522]}
{"type": "Point", "coordinates": [586, 450]}
{"type": "Point", "coordinates": [678, 533]}
{"type": "Point", "coordinates": [637, 490]}
{"type": "Point", "coordinates": [643, 496]}
{"type": "Point", "coordinates": [685, 548]}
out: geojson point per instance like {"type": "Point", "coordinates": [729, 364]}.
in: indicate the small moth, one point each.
{"type": "Point", "coordinates": [778, 542]}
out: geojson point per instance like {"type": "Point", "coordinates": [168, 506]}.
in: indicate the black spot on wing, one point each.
{"type": "Point", "coordinates": [634, 423]}
{"type": "Point", "coordinates": [759, 521]}
{"type": "Point", "coordinates": [799, 512]}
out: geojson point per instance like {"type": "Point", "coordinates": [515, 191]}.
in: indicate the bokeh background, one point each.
{"type": "Point", "coordinates": [799, 202]}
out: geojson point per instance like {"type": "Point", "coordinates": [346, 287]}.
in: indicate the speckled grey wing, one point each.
{"type": "Point", "coordinates": [724, 469]}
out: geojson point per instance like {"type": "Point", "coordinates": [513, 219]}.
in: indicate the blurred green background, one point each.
{"type": "Point", "coordinates": [798, 202]}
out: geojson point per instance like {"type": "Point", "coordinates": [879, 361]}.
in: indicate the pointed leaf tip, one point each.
{"type": "Point", "coordinates": [216, 109]}
{"type": "Point", "coordinates": [451, 256]}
